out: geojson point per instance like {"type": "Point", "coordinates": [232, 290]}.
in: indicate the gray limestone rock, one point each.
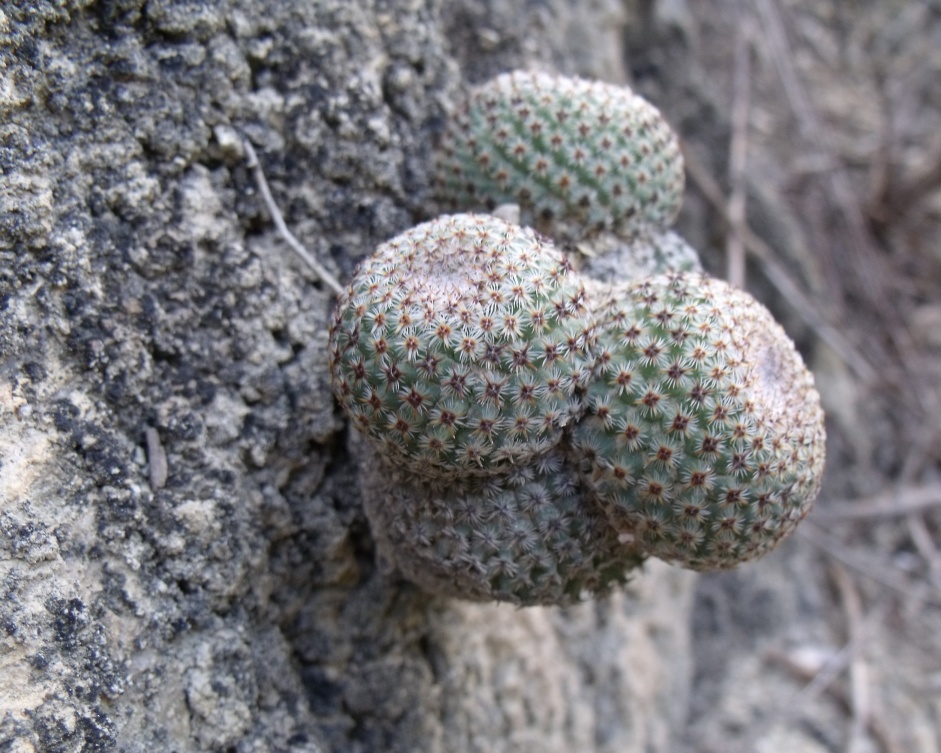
{"type": "Point", "coordinates": [185, 561]}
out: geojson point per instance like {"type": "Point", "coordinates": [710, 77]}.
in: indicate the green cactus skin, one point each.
{"type": "Point", "coordinates": [526, 536]}
{"type": "Point", "coordinates": [704, 435]}
{"type": "Point", "coordinates": [586, 154]}
{"type": "Point", "coordinates": [461, 345]}
{"type": "Point", "coordinates": [653, 252]}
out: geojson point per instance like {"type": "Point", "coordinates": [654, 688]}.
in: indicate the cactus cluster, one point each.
{"type": "Point", "coordinates": [539, 433]}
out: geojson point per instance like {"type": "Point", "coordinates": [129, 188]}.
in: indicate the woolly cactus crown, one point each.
{"type": "Point", "coordinates": [460, 344]}
{"type": "Point", "coordinates": [704, 433]}
{"type": "Point", "coordinates": [587, 154]}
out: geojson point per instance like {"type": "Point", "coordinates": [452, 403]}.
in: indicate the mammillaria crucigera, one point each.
{"type": "Point", "coordinates": [578, 154]}
{"type": "Point", "coordinates": [460, 346]}
{"type": "Point", "coordinates": [704, 434]}
{"type": "Point", "coordinates": [538, 434]}
{"type": "Point", "coordinates": [527, 535]}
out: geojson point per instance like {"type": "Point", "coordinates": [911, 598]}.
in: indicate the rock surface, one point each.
{"type": "Point", "coordinates": [185, 563]}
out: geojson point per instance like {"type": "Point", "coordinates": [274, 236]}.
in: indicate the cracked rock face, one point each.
{"type": "Point", "coordinates": [185, 561]}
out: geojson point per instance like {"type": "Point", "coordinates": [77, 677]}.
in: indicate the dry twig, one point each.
{"type": "Point", "coordinates": [822, 679]}
{"type": "Point", "coordinates": [924, 543]}
{"type": "Point", "coordinates": [866, 564]}
{"type": "Point", "coordinates": [860, 701]}
{"type": "Point", "coordinates": [902, 500]}
{"type": "Point", "coordinates": [738, 153]}
{"type": "Point", "coordinates": [870, 277]}
{"type": "Point", "coordinates": [908, 192]}
{"type": "Point", "coordinates": [309, 259]}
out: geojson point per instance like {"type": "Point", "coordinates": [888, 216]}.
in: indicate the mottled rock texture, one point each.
{"type": "Point", "coordinates": [229, 599]}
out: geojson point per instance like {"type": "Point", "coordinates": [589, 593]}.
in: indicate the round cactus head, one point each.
{"type": "Point", "coordinates": [580, 154]}
{"type": "Point", "coordinates": [703, 434]}
{"type": "Point", "coordinates": [461, 345]}
{"type": "Point", "coordinates": [527, 536]}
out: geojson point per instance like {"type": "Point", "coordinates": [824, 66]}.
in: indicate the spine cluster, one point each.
{"type": "Point", "coordinates": [539, 431]}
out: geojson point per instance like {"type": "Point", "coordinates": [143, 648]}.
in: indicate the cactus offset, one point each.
{"type": "Point", "coordinates": [585, 155]}
{"type": "Point", "coordinates": [704, 434]}
{"type": "Point", "coordinates": [527, 536]}
{"type": "Point", "coordinates": [460, 346]}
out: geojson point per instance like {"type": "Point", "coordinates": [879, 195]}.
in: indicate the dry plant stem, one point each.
{"type": "Point", "coordinates": [924, 543]}
{"type": "Point", "coordinates": [871, 567]}
{"type": "Point", "coordinates": [903, 500]}
{"type": "Point", "coordinates": [877, 207]}
{"type": "Point", "coordinates": [880, 731]}
{"type": "Point", "coordinates": [925, 391]}
{"type": "Point", "coordinates": [817, 682]}
{"type": "Point", "coordinates": [777, 274]}
{"type": "Point", "coordinates": [860, 683]}
{"type": "Point", "coordinates": [823, 681]}
{"type": "Point", "coordinates": [916, 461]}
{"type": "Point", "coordinates": [901, 195]}
{"type": "Point", "coordinates": [809, 124]}
{"type": "Point", "coordinates": [318, 269]}
{"type": "Point", "coordinates": [738, 152]}
{"type": "Point", "coordinates": [873, 272]}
